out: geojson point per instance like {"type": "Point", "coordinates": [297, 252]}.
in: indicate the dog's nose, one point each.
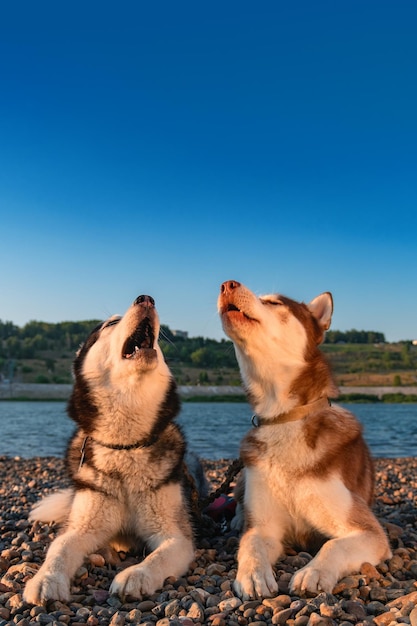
{"type": "Point", "coordinates": [147, 301]}
{"type": "Point", "coordinates": [229, 286]}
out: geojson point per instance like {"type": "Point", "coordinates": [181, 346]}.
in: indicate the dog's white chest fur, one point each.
{"type": "Point", "coordinates": [278, 473]}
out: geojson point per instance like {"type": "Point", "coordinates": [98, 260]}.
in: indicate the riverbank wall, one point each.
{"type": "Point", "coordinates": [33, 391]}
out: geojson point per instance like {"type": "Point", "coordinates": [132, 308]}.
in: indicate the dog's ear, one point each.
{"type": "Point", "coordinates": [322, 308]}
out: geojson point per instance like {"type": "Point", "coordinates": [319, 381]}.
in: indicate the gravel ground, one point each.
{"type": "Point", "coordinates": [381, 595]}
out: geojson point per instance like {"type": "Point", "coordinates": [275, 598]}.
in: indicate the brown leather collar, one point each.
{"type": "Point", "coordinates": [297, 413]}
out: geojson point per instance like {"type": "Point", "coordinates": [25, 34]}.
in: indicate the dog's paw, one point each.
{"type": "Point", "coordinates": [135, 581]}
{"type": "Point", "coordinates": [44, 587]}
{"type": "Point", "coordinates": [313, 579]}
{"type": "Point", "coordinates": [258, 583]}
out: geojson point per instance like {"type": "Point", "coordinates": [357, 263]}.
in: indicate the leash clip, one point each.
{"type": "Point", "coordinates": [83, 452]}
{"type": "Point", "coordinates": [255, 421]}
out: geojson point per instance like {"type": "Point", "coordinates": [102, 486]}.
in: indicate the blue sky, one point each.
{"type": "Point", "coordinates": [165, 147]}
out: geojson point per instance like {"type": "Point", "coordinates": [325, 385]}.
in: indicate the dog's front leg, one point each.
{"type": "Point", "coordinates": [259, 548]}
{"type": "Point", "coordinates": [162, 522]}
{"type": "Point", "coordinates": [356, 537]}
{"type": "Point", "coordinates": [340, 557]}
{"type": "Point", "coordinates": [52, 581]}
{"type": "Point", "coordinates": [90, 525]}
{"type": "Point", "coordinates": [261, 543]}
{"type": "Point", "coordinates": [172, 557]}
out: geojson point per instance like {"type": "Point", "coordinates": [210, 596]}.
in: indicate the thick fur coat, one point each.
{"type": "Point", "coordinates": [130, 486]}
{"type": "Point", "coordinates": [308, 476]}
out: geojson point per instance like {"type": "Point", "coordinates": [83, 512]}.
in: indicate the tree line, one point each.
{"type": "Point", "coordinates": [34, 339]}
{"type": "Point", "coordinates": [354, 336]}
{"type": "Point", "coordinates": [45, 349]}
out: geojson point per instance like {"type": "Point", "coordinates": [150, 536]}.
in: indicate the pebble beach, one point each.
{"type": "Point", "coordinates": [382, 595]}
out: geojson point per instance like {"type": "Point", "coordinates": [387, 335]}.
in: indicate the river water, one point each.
{"type": "Point", "coordinates": [213, 429]}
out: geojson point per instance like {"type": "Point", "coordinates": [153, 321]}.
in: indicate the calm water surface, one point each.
{"type": "Point", "coordinates": [213, 429]}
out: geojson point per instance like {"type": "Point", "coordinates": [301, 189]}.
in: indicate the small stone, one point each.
{"type": "Point", "coordinates": [349, 582]}
{"type": "Point", "coordinates": [394, 531]}
{"type": "Point", "coordinates": [297, 605]}
{"type": "Point", "coordinates": [44, 618]}
{"type": "Point", "coordinates": [334, 611]}
{"type": "Point", "coordinates": [226, 585]}
{"type": "Point", "coordinates": [395, 563]}
{"type": "Point", "coordinates": [146, 605]}
{"type": "Point", "coordinates": [378, 593]}
{"type": "Point", "coordinates": [118, 619]}
{"type": "Point", "coordinates": [10, 554]}
{"type": "Point", "coordinates": [230, 604]}
{"type": "Point", "coordinates": [282, 617]}
{"type": "Point", "coordinates": [384, 619]}
{"type": "Point", "coordinates": [81, 572]}
{"type": "Point", "coordinates": [215, 569]}
{"type": "Point", "coordinates": [263, 610]}
{"type": "Point", "coordinates": [356, 609]}
{"type": "Point", "coordinates": [100, 595]}
{"type": "Point", "coordinates": [15, 602]}
{"type": "Point", "coordinates": [319, 620]}
{"type": "Point", "coordinates": [196, 612]}
{"type": "Point", "coordinates": [134, 616]}
{"type": "Point", "coordinates": [97, 560]}
{"type": "Point", "coordinates": [375, 608]}
{"type": "Point", "coordinates": [250, 604]}
{"type": "Point", "coordinates": [212, 600]}
{"type": "Point", "coordinates": [370, 571]}
{"type": "Point", "coordinates": [172, 608]}
{"type": "Point", "coordinates": [281, 601]}
{"type": "Point", "coordinates": [114, 601]}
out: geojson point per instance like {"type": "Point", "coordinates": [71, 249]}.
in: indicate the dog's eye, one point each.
{"type": "Point", "coordinates": [112, 322]}
{"type": "Point", "coordinates": [273, 302]}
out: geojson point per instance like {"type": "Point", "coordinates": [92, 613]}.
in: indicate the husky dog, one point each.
{"type": "Point", "coordinates": [126, 462]}
{"type": "Point", "coordinates": [308, 473]}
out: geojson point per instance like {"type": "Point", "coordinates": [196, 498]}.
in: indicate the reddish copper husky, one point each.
{"type": "Point", "coordinates": [308, 471]}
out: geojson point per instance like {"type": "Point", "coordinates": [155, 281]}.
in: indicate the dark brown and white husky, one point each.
{"type": "Point", "coordinates": [126, 462]}
{"type": "Point", "coordinates": [308, 473]}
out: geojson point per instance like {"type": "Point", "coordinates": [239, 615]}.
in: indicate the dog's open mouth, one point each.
{"type": "Point", "coordinates": [231, 308]}
{"type": "Point", "coordinates": [143, 338]}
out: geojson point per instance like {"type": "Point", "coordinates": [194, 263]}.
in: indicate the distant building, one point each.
{"type": "Point", "coordinates": [414, 342]}
{"type": "Point", "coordinates": [182, 334]}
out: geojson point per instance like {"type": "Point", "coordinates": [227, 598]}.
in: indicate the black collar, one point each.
{"type": "Point", "coordinates": [142, 443]}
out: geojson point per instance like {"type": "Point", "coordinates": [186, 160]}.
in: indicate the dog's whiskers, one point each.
{"type": "Point", "coordinates": [164, 336]}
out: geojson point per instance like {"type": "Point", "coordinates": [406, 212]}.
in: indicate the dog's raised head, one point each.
{"type": "Point", "coordinates": [120, 368]}
{"type": "Point", "coordinates": [276, 342]}
{"type": "Point", "coordinates": [126, 346]}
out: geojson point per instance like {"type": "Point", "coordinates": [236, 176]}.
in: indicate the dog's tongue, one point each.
{"type": "Point", "coordinates": [142, 338]}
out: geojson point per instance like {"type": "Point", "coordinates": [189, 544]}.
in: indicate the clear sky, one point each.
{"type": "Point", "coordinates": [164, 147]}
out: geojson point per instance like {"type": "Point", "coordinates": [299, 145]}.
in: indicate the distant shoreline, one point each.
{"type": "Point", "coordinates": [208, 393]}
